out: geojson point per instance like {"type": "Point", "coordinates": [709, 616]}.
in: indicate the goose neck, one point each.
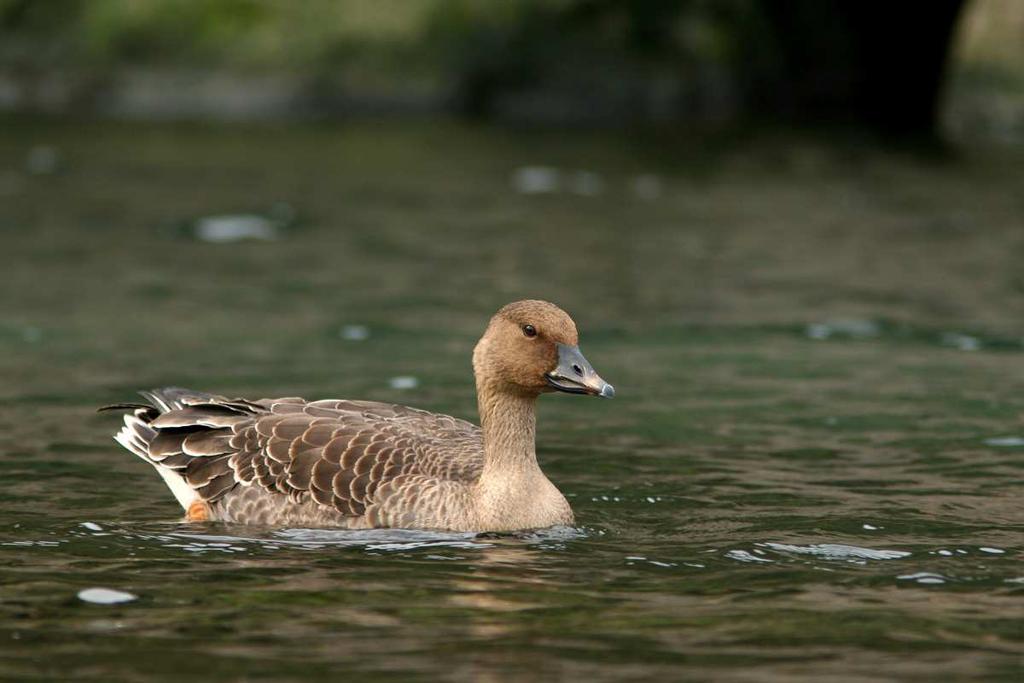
{"type": "Point", "coordinates": [509, 423]}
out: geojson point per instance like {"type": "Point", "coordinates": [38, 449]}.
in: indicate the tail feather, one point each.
{"type": "Point", "coordinates": [135, 435]}
{"type": "Point", "coordinates": [138, 433]}
{"type": "Point", "coordinates": [167, 399]}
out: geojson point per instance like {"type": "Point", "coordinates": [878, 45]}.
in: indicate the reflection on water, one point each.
{"type": "Point", "coordinates": [812, 471]}
{"type": "Point", "coordinates": [369, 539]}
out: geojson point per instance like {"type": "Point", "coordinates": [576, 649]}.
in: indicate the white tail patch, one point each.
{"type": "Point", "coordinates": [185, 494]}
{"type": "Point", "coordinates": [135, 436]}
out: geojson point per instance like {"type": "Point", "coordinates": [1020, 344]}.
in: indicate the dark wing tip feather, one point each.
{"type": "Point", "coordinates": [124, 406]}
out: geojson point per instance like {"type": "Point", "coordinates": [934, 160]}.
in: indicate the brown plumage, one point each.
{"type": "Point", "coordinates": [363, 464]}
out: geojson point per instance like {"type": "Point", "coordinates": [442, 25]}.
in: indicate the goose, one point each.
{"type": "Point", "coordinates": [363, 464]}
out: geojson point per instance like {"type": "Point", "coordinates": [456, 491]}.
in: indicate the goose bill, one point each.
{"type": "Point", "coordinates": [575, 375]}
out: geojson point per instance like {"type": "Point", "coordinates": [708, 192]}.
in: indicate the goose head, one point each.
{"type": "Point", "coordinates": [531, 347]}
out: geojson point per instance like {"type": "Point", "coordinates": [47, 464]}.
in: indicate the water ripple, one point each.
{"type": "Point", "coordinates": [837, 551]}
{"type": "Point", "coordinates": [388, 540]}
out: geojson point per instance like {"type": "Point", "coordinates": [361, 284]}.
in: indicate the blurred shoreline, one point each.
{"type": "Point", "coordinates": [165, 93]}
{"type": "Point", "coordinates": [170, 93]}
{"type": "Point", "coordinates": [230, 61]}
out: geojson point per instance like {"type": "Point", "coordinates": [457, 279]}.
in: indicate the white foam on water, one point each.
{"type": "Point", "coordinates": [537, 179]}
{"type": "Point", "coordinates": [845, 327]}
{"type": "Point", "coordinates": [403, 382]}
{"type": "Point", "coordinates": [33, 544]}
{"type": "Point", "coordinates": [105, 596]}
{"type": "Point", "coordinates": [354, 332]}
{"type": "Point", "coordinates": [235, 228]}
{"type": "Point", "coordinates": [744, 556]}
{"type": "Point", "coordinates": [1005, 441]}
{"type": "Point", "coordinates": [923, 577]}
{"type": "Point", "coordinates": [964, 342]}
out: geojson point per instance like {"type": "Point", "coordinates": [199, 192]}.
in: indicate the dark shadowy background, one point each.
{"type": "Point", "coordinates": [597, 62]}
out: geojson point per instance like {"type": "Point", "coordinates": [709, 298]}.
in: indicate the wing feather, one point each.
{"type": "Point", "coordinates": [342, 455]}
{"type": "Point", "coordinates": [207, 442]}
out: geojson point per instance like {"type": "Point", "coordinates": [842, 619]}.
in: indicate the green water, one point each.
{"type": "Point", "coordinates": [813, 349]}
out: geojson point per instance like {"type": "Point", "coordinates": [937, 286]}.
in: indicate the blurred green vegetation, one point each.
{"type": "Point", "coordinates": [703, 60]}
{"type": "Point", "coordinates": [264, 34]}
{"type": "Point", "coordinates": [470, 44]}
{"type": "Point", "coordinates": [233, 33]}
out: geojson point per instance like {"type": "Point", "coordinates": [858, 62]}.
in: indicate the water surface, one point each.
{"type": "Point", "coordinates": [812, 469]}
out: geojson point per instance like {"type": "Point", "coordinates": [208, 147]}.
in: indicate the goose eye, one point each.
{"type": "Point", "coordinates": [529, 330]}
